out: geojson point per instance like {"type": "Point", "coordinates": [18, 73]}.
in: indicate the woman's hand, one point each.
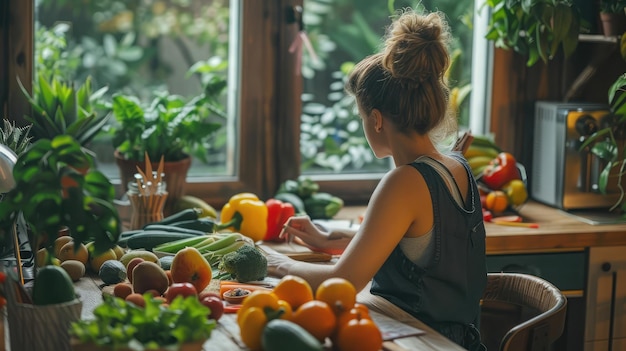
{"type": "Point", "coordinates": [303, 231]}
{"type": "Point", "coordinates": [277, 264]}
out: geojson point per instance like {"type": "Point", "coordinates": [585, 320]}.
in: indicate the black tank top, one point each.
{"type": "Point", "coordinates": [445, 293]}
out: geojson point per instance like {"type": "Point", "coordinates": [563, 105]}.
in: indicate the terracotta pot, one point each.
{"type": "Point", "coordinates": [613, 23]}
{"type": "Point", "coordinates": [175, 177]}
{"type": "Point", "coordinates": [78, 346]}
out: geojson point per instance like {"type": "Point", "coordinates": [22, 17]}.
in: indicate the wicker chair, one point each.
{"type": "Point", "coordinates": [521, 312]}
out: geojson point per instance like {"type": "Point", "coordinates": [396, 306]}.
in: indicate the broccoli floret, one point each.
{"type": "Point", "coordinates": [245, 264]}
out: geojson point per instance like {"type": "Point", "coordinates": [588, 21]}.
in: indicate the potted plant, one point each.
{"type": "Point", "coordinates": [609, 145]}
{"type": "Point", "coordinates": [50, 194]}
{"type": "Point", "coordinates": [59, 108]}
{"type": "Point", "coordinates": [123, 326]}
{"type": "Point", "coordinates": [537, 29]}
{"type": "Point", "coordinates": [170, 127]}
{"type": "Point", "coordinates": [613, 17]}
{"type": "Point", "coordinates": [16, 138]}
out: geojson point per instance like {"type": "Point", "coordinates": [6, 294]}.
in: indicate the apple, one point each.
{"type": "Point", "coordinates": [215, 304]}
{"type": "Point", "coordinates": [180, 289]}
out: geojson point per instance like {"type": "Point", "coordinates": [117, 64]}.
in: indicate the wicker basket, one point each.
{"type": "Point", "coordinates": [34, 327]}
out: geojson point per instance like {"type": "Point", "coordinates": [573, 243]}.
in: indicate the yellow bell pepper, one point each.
{"type": "Point", "coordinates": [246, 214]}
{"type": "Point", "coordinates": [257, 310]}
{"type": "Point", "coordinates": [253, 320]}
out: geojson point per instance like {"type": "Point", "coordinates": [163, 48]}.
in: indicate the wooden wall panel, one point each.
{"type": "Point", "coordinates": [16, 40]}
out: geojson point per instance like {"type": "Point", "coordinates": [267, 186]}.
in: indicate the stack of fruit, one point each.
{"type": "Point", "coordinates": [292, 316]}
{"type": "Point", "coordinates": [500, 177]}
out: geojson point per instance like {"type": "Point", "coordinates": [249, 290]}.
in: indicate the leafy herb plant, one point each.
{"type": "Point", "coordinates": [170, 125]}
{"type": "Point", "coordinates": [536, 29]}
{"type": "Point", "coordinates": [120, 323]}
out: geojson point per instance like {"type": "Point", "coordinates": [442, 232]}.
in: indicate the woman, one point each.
{"type": "Point", "coordinates": [420, 250]}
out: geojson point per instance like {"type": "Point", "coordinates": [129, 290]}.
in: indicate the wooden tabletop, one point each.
{"type": "Point", "coordinates": [226, 337]}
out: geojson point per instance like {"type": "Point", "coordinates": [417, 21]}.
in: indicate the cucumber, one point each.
{"type": "Point", "coordinates": [173, 229]}
{"type": "Point", "coordinates": [293, 199]}
{"type": "Point", "coordinates": [149, 239]}
{"type": "Point", "coordinates": [284, 335]}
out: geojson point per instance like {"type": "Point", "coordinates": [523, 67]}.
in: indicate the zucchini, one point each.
{"type": "Point", "coordinates": [293, 199]}
{"type": "Point", "coordinates": [173, 229]}
{"type": "Point", "coordinates": [322, 205]}
{"type": "Point", "coordinates": [205, 224]}
{"type": "Point", "coordinates": [151, 238]}
{"type": "Point", "coordinates": [182, 215]}
{"type": "Point", "coordinates": [128, 233]}
{"type": "Point", "coordinates": [284, 335]}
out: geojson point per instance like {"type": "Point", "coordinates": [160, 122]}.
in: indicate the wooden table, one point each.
{"type": "Point", "coordinates": [225, 337]}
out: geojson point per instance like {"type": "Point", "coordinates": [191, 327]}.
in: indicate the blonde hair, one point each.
{"type": "Point", "coordinates": [405, 81]}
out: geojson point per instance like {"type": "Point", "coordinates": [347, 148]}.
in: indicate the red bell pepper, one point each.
{"type": "Point", "coordinates": [500, 171]}
{"type": "Point", "coordinates": [278, 212]}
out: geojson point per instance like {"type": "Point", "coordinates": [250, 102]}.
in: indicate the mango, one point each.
{"type": "Point", "coordinates": [149, 276]}
{"type": "Point", "coordinates": [145, 254]}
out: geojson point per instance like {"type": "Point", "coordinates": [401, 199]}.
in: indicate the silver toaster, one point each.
{"type": "Point", "coordinates": [564, 175]}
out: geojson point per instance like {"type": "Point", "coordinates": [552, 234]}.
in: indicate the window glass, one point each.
{"type": "Point", "coordinates": [141, 48]}
{"type": "Point", "coordinates": [341, 33]}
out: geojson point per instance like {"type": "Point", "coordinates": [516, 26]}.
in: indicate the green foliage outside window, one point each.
{"type": "Point", "coordinates": [115, 43]}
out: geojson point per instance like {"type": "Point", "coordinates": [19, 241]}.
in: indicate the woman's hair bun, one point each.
{"type": "Point", "coordinates": [415, 46]}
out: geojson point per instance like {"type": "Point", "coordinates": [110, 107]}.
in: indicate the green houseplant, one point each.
{"type": "Point", "coordinates": [613, 17]}
{"type": "Point", "coordinates": [56, 187]}
{"type": "Point", "coordinates": [609, 144]}
{"type": "Point", "coordinates": [60, 108]}
{"type": "Point", "coordinates": [169, 126]}
{"type": "Point", "coordinates": [537, 29]}
{"type": "Point", "coordinates": [53, 190]}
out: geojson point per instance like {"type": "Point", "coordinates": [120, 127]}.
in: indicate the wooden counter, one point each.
{"type": "Point", "coordinates": [557, 230]}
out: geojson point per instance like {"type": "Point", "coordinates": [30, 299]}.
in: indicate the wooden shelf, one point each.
{"type": "Point", "coordinates": [598, 38]}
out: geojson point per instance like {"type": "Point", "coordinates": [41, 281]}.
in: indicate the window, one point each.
{"type": "Point", "coordinates": [273, 132]}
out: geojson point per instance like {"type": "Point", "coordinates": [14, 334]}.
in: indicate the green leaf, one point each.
{"type": "Point", "coordinates": [603, 179]}
{"type": "Point", "coordinates": [605, 150]}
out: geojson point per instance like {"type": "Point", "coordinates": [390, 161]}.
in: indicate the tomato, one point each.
{"type": "Point", "coordinates": [359, 334]}
{"type": "Point", "coordinates": [207, 293]}
{"type": "Point", "coordinates": [215, 304]}
{"type": "Point", "coordinates": [316, 317]}
{"type": "Point", "coordinates": [496, 202]}
{"type": "Point", "coordinates": [500, 171]}
{"type": "Point", "coordinates": [353, 313]}
{"type": "Point", "coordinates": [182, 289]}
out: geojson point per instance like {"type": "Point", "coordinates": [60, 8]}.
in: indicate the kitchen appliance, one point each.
{"type": "Point", "coordinates": [563, 175]}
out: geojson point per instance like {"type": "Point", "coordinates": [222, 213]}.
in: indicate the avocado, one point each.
{"type": "Point", "coordinates": [52, 285]}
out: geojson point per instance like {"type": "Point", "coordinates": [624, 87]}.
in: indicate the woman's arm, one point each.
{"type": "Point", "coordinates": [400, 199]}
